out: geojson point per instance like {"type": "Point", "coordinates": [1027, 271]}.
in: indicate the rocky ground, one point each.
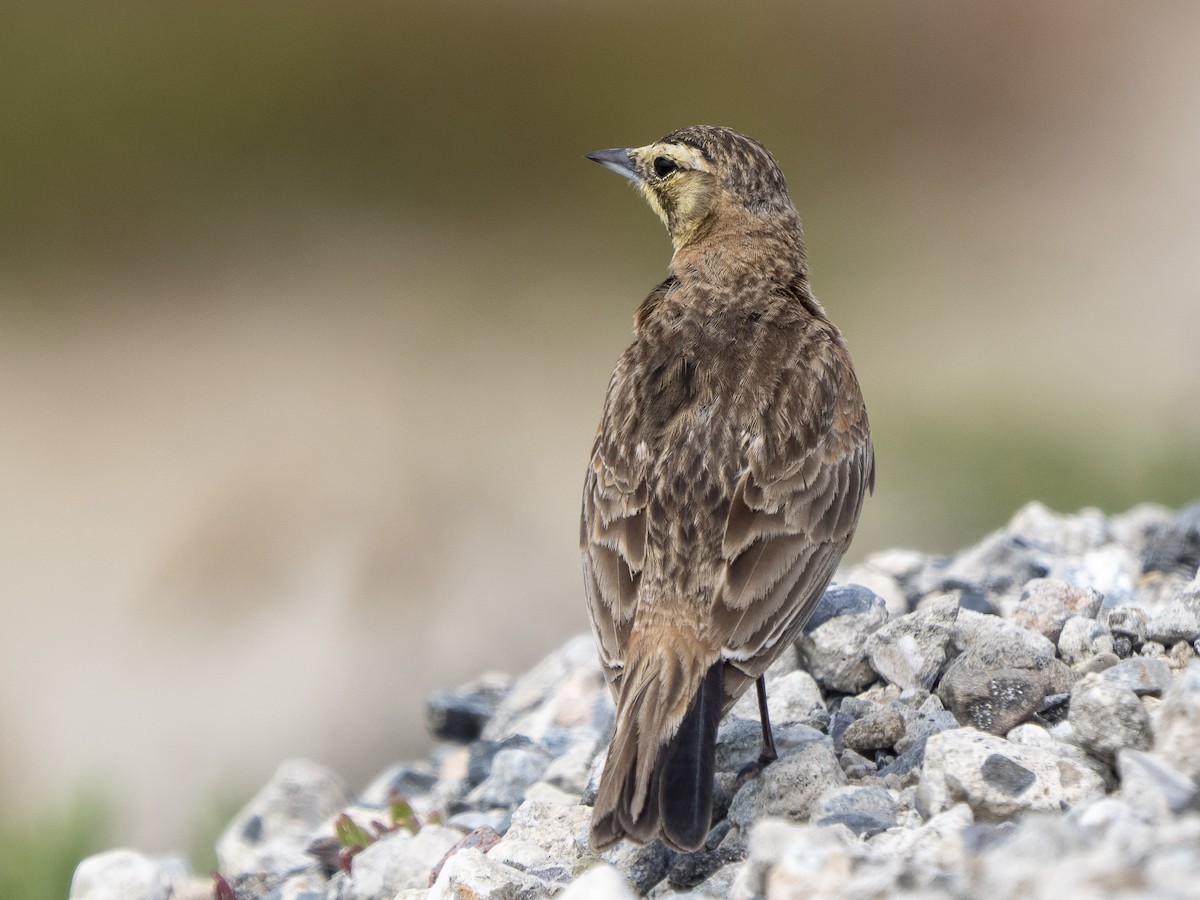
{"type": "Point", "coordinates": [1021, 719]}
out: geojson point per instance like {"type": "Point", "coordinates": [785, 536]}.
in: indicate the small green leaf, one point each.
{"type": "Point", "coordinates": [350, 834]}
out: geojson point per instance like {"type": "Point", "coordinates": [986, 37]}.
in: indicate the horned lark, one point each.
{"type": "Point", "coordinates": [726, 479]}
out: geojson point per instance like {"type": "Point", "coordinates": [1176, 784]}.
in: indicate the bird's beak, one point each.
{"type": "Point", "coordinates": [617, 160]}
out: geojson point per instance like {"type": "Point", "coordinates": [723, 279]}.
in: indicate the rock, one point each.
{"type": "Point", "coordinates": [864, 810]}
{"type": "Point", "coordinates": [1111, 571]}
{"type": "Point", "coordinates": [398, 861]}
{"type": "Point", "coordinates": [1172, 548]}
{"type": "Point", "coordinates": [994, 701]}
{"type": "Point", "coordinates": [1099, 705]}
{"type": "Point", "coordinates": [544, 835]}
{"type": "Point", "coordinates": [792, 697]}
{"type": "Point", "coordinates": [1179, 620]}
{"type": "Point", "coordinates": [692, 870]}
{"type": "Point", "coordinates": [471, 874]}
{"type": "Point", "coordinates": [273, 831]}
{"type": "Point", "coordinates": [787, 860]}
{"type": "Point", "coordinates": [989, 642]}
{"type": "Point", "coordinates": [1177, 724]}
{"type": "Point", "coordinates": [1047, 603]}
{"type": "Point", "coordinates": [911, 650]}
{"type": "Point", "coordinates": [877, 730]}
{"type": "Point", "coordinates": [1127, 624]}
{"type": "Point", "coordinates": [641, 867]}
{"type": "Point", "coordinates": [513, 770]}
{"type": "Point", "coordinates": [127, 875]}
{"type": "Point", "coordinates": [410, 781]}
{"type": "Point", "coordinates": [999, 779]}
{"type": "Point", "coordinates": [833, 649]}
{"type": "Point", "coordinates": [1106, 716]}
{"type": "Point", "coordinates": [566, 690]}
{"type": "Point", "coordinates": [1082, 638]}
{"type": "Point", "coordinates": [1063, 535]}
{"type": "Point", "coordinates": [460, 715]}
{"type": "Point", "coordinates": [1140, 674]}
{"type": "Point", "coordinates": [889, 574]}
{"type": "Point", "coordinates": [739, 741]}
{"type": "Point", "coordinates": [601, 882]}
{"type": "Point", "coordinates": [1153, 786]}
{"type": "Point", "coordinates": [788, 787]}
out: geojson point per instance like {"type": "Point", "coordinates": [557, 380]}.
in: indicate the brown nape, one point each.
{"type": "Point", "coordinates": [724, 486]}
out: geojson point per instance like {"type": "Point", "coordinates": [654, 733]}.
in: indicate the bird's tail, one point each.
{"type": "Point", "coordinates": [658, 776]}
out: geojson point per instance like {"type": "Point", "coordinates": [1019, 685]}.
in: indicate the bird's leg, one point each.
{"type": "Point", "coordinates": [768, 754]}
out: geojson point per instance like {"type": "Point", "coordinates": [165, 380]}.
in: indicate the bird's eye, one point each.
{"type": "Point", "coordinates": [664, 166]}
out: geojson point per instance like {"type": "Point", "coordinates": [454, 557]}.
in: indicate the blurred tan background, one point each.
{"type": "Point", "coordinates": [307, 312]}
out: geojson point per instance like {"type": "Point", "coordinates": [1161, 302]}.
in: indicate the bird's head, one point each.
{"type": "Point", "coordinates": [700, 174]}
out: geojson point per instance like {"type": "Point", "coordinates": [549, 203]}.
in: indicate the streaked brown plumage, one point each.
{"type": "Point", "coordinates": [726, 479]}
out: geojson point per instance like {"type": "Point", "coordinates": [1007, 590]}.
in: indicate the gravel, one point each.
{"type": "Point", "coordinates": [1020, 719]}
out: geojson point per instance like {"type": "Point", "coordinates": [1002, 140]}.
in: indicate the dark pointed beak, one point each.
{"type": "Point", "coordinates": [617, 160]}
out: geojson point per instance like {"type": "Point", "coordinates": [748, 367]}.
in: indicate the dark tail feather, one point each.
{"type": "Point", "coordinates": [679, 793]}
{"type": "Point", "coordinates": [686, 768]}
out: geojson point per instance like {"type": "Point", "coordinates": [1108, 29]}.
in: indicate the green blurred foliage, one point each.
{"type": "Point", "coordinates": [38, 853]}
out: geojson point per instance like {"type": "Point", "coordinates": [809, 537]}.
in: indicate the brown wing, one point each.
{"type": "Point", "coordinates": [613, 538]}
{"type": "Point", "coordinates": [793, 509]}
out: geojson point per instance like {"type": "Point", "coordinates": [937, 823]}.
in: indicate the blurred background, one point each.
{"type": "Point", "coordinates": [307, 312]}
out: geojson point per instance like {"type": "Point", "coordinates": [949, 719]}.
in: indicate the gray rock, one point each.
{"type": "Point", "coordinates": [1177, 724]}
{"type": "Point", "coordinates": [843, 600]}
{"type": "Point", "coordinates": [1153, 786]}
{"type": "Point", "coordinates": [1064, 535]}
{"type": "Point", "coordinates": [787, 860]}
{"type": "Point", "coordinates": [399, 861]}
{"type": "Point", "coordinates": [1001, 563]}
{"type": "Point", "coordinates": [889, 575]}
{"type": "Point", "coordinates": [1047, 603]}
{"type": "Point", "coordinates": [470, 873]}
{"type": "Point", "coordinates": [459, 716]}
{"type": "Point", "coordinates": [834, 649]}
{"type": "Point", "coordinates": [127, 875]}
{"type": "Point", "coordinates": [273, 831]}
{"type": "Point", "coordinates": [689, 871]}
{"type": "Point", "coordinates": [1173, 547]}
{"type": "Point", "coordinates": [566, 690]}
{"type": "Point", "coordinates": [999, 779]}
{"type": "Point", "coordinates": [792, 697]}
{"type": "Point", "coordinates": [1082, 638]}
{"type": "Point", "coordinates": [929, 719]}
{"type": "Point", "coordinates": [641, 867]}
{"type": "Point", "coordinates": [739, 741]}
{"type": "Point", "coordinates": [788, 787]}
{"type": "Point", "coordinates": [989, 642]}
{"type": "Point", "coordinates": [1178, 620]}
{"type": "Point", "coordinates": [513, 770]}
{"type": "Point", "coordinates": [1128, 627]}
{"type": "Point", "coordinates": [994, 701]}
{"type": "Point", "coordinates": [1142, 675]}
{"type": "Point", "coordinates": [911, 650]}
{"type": "Point", "coordinates": [864, 810]}
{"type": "Point", "coordinates": [1106, 716]}
{"type": "Point", "coordinates": [411, 781]}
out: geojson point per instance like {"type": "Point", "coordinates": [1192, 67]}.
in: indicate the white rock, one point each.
{"type": "Point", "coordinates": [999, 779]}
{"type": "Point", "coordinates": [471, 874]}
{"type": "Point", "coordinates": [399, 861]}
{"type": "Point", "coordinates": [602, 882]}
{"type": "Point", "coordinates": [126, 875]}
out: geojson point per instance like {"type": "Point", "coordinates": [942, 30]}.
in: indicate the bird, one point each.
{"type": "Point", "coordinates": [725, 483]}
